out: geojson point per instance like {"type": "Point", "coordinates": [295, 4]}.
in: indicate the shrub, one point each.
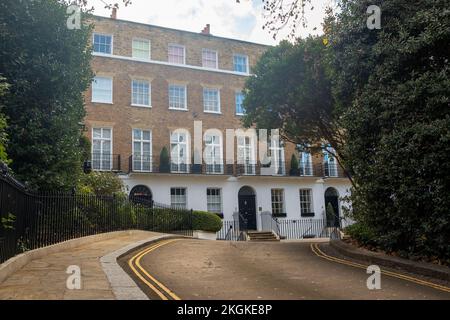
{"type": "Point", "coordinates": [164, 160]}
{"type": "Point", "coordinates": [361, 233]}
{"type": "Point", "coordinates": [206, 221]}
{"type": "Point", "coordinates": [100, 183]}
{"type": "Point", "coordinates": [294, 166]}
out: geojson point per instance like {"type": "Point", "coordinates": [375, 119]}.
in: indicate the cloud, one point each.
{"type": "Point", "coordinates": [243, 21]}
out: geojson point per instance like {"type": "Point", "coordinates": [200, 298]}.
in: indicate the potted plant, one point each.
{"type": "Point", "coordinates": [164, 161]}
{"type": "Point", "coordinates": [294, 171]}
{"type": "Point", "coordinates": [196, 167]}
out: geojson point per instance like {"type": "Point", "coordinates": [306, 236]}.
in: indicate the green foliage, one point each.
{"type": "Point", "coordinates": [85, 146]}
{"type": "Point", "coordinates": [3, 124]}
{"type": "Point", "coordinates": [391, 89]}
{"type": "Point", "coordinates": [362, 233]}
{"type": "Point", "coordinates": [164, 160]}
{"type": "Point", "coordinates": [100, 183]}
{"type": "Point", "coordinates": [48, 69]}
{"type": "Point", "coordinates": [7, 222]}
{"type": "Point", "coordinates": [294, 171]}
{"type": "Point", "coordinates": [330, 212]}
{"type": "Point", "coordinates": [206, 221]}
{"type": "Point", "coordinates": [291, 91]}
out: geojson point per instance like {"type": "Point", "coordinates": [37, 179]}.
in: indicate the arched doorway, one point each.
{"type": "Point", "coordinates": [247, 206]}
{"type": "Point", "coordinates": [141, 194]}
{"type": "Point", "coordinates": [332, 207]}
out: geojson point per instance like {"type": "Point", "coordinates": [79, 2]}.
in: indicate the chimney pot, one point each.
{"type": "Point", "coordinates": [206, 30]}
{"type": "Point", "coordinates": [114, 13]}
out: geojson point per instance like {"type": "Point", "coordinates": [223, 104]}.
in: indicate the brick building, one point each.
{"type": "Point", "coordinates": [152, 85]}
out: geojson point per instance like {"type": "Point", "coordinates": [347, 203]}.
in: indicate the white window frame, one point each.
{"type": "Point", "coordinates": [110, 101]}
{"type": "Point", "coordinates": [187, 157]}
{"type": "Point", "coordinates": [279, 200]}
{"type": "Point", "coordinates": [305, 164]}
{"type": "Point", "coordinates": [278, 162]}
{"type": "Point", "coordinates": [101, 149]}
{"type": "Point", "coordinates": [235, 103]}
{"type": "Point", "coordinates": [205, 51]}
{"type": "Point", "coordinates": [209, 201]}
{"type": "Point", "coordinates": [215, 166]}
{"type": "Point", "coordinates": [218, 100]}
{"type": "Point", "coordinates": [330, 160]}
{"type": "Point", "coordinates": [185, 198]}
{"type": "Point", "coordinates": [248, 152]}
{"type": "Point", "coordinates": [103, 34]}
{"type": "Point", "coordinates": [185, 97]}
{"type": "Point", "coordinates": [142, 141]}
{"type": "Point", "coordinates": [184, 53]}
{"type": "Point", "coordinates": [311, 201]}
{"type": "Point", "coordinates": [247, 63]}
{"type": "Point", "coordinates": [149, 48]}
{"type": "Point", "coordinates": [149, 94]}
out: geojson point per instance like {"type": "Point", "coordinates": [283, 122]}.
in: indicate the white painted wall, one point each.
{"type": "Point", "coordinates": [196, 191]}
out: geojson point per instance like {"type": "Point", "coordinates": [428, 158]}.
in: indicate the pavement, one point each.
{"type": "Point", "coordinates": [45, 278]}
{"type": "Point", "coordinates": [200, 269]}
{"type": "Point", "coordinates": [265, 271]}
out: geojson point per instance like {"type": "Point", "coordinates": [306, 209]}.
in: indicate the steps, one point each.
{"type": "Point", "coordinates": [262, 236]}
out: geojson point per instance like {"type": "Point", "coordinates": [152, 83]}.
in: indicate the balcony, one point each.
{"type": "Point", "coordinates": [146, 164]}
{"type": "Point", "coordinates": [105, 162]}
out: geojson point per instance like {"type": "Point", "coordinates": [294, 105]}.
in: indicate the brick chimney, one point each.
{"type": "Point", "coordinates": [206, 30]}
{"type": "Point", "coordinates": [114, 13]}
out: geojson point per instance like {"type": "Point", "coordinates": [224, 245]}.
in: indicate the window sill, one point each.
{"type": "Point", "coordinates": [212, 112]}
{"type": "Point", "coordinates": [175, 109]}
{"type": "Point", "coordinates": [101, 102]}
{"type": "Point", "coordinates": [240, 114]}
{"type": "Point", "coordinates": [308, 215]}
{"type": "Point", "coordinates": [279, 215]}
{"type": "Point", "coordinates": [141, 106]}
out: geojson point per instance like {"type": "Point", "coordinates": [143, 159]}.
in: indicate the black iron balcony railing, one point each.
{"type": "Point", "coordinates": [105, 162]}
{"type": "Point", "coordinates": [139, 163]}
{"type": "Point", "coordinates": [145, 163]}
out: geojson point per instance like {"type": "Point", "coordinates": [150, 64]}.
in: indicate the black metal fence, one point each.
{"type": "Point", "coordinates": [30, 220]}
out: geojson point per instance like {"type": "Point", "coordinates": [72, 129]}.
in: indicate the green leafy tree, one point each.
{"type": "Point", "coordinates": [291, 91]}
{"type": "Point", "coordinates": [164, 160]}
{"type": "Point", "coordinates": [100, 184]}
{"type": "Point", "coordinates": [48, 68]}
{"type": "Point", "coordinates": [3, 124]}
{"type": "Point", "coordinates": [391, 88]}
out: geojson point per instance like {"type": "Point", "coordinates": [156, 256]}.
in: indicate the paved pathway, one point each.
{"type": "Point", "coordinates": [45, 278]}
{"type": "Point", "coordinates": [223, 270]}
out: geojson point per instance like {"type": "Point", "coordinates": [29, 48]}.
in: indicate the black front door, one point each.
{"type": "Point", "coordinates": [334, 202]}
{"type": "Point", "coordinates": [247, 209]}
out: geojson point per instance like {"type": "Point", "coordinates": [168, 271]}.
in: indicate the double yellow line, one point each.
{"type": "Point", "coordinates": [315, 248]}
{"type": "Point", "coordinates": [135, 264]}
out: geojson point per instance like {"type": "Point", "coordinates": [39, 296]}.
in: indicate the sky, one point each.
{"type": "Point", "coordinates": [227, 18]}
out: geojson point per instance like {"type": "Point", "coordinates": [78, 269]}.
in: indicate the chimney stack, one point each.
{"type": "Point", "coordinates": [114, 13]}
{"type": "Point", "coordinates": [206, 30]}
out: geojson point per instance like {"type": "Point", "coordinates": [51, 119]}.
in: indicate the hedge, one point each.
{"type": "Point", "coordinates": [206, 221]}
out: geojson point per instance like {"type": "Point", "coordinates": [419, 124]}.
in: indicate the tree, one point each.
{"type": "Point", "coordinates": [3, 135]}
{"type": "Point", "coordinates": [391, 88]}
{"type": "Point", "coordinates": [48, 69]}
{"type": "Point", "coordinates": [291, 91]}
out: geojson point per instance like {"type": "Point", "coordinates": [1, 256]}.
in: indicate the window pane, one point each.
{"type": "Point", "coordinates": [239, 103]}
{"type": "Point", "coordinates": [209, 58]}
{"type": "Point", "coordinates": [141, 49]}
{"type": "Point", "coordinates": [102, 43]}
{"type": "Point", "coordinates": [177, 97]}
{"type": "Point", "coordinates": [176, 54]}
{"type": "Point", "coordinates": [211, 100]}
{"type": "Point", "coordinates": [140, 93]}
{"type": "Point", "coordinates": [240, 63]}
{"type": "Point", "coordinates": [102, 90]}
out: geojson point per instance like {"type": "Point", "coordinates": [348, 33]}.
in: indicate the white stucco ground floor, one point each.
{"type": "Point", "coordinates": [287, 198]}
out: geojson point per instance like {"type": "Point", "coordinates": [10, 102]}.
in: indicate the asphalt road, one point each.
{"type": "Point", "coordinates": [196, 269]}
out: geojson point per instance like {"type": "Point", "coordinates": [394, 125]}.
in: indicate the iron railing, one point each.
{"type": "Point", "coordinates": [30, 220]}
{"type": "Point", "coordinates": [105, 162]}
{"type": "Point", "coordinates": [145, 163]}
